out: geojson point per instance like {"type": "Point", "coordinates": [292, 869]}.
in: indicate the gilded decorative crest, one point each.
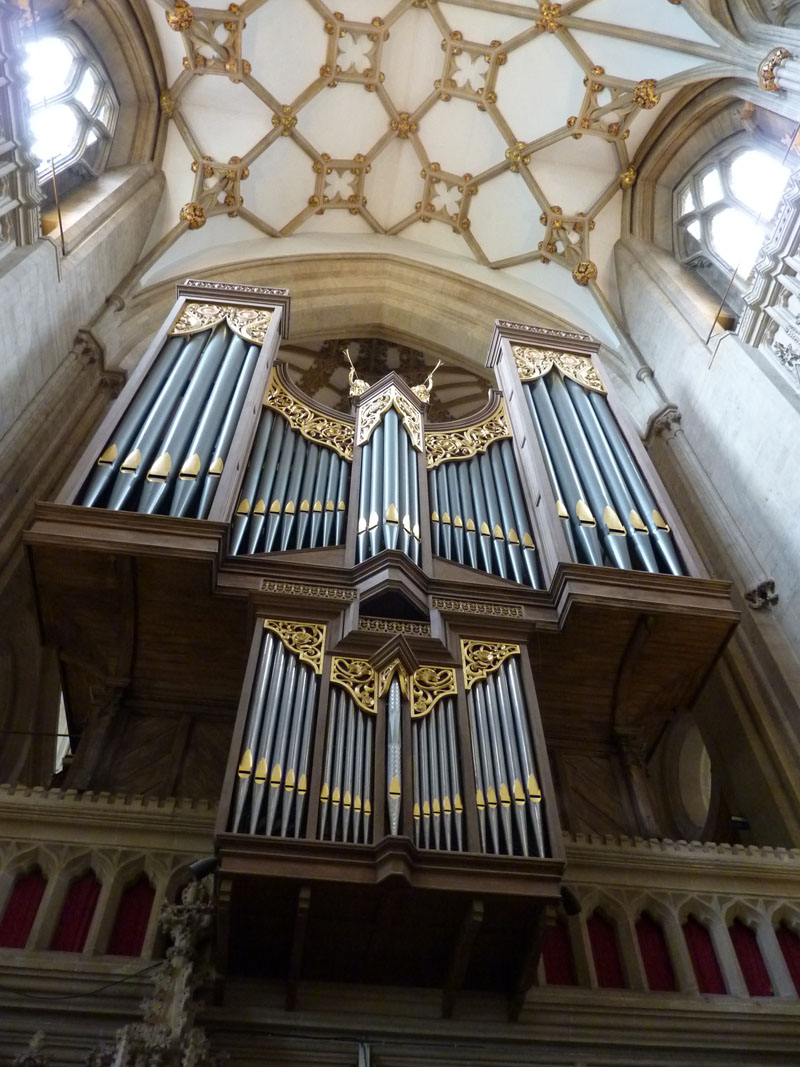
{"type": "Point", "coordinates": [533, 363]}
{"type": "Point", "coordinates": [312, 424]}
{"type": "Point", "coordinates": [444, 445]}
{"type": "Point", "coordinates": [481, 658]}
{"type": "Point", "coordinates": [386, 675]}
{"type": "Point", "coordinates": [249, 323]}
{"type": "Point", "coordinates": [429, 685]}
{"type": "Point", "coordinates": [358, 678]}
{"type": "Point", "coordinates": [306, 640]}
{"type": "Point", "coordinates": [371, 413]}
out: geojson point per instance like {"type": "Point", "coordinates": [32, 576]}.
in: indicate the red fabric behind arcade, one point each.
{"type": "Point", "coordinates": [750, 959]}
{"type": "Point", "coordinates": [26, 896]}
{"type": "Point", "coordinates": [130, 923]}
{"type": "Point", "coordinates": [790, 947]}
{"type": "Point", "coordinates": [76, 914]}
{"type": "Point", "coordinates": [704, 959]}
{"type": "Point", "coordinates": [559, 966]}
{"type": "Point", "coordinates": [605, 950]}
{"type": "Point", "coordinates": [655, 954]}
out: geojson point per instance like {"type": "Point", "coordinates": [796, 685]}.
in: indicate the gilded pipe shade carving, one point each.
{"type": "Point", "coordinates": [533, 363]}
{"type": "Point", "coordinates": [371, 413]}
{"type": "Point", "coordinates": [467, 441]}
{"type": "Point", "coordinates": [481, 658]}
{"type": "Point", "coordinates": [314, 425]}
{"type": "Point", "coordinates": [306, 640]}
{"type": "Point", "coordinates": [249, 323]}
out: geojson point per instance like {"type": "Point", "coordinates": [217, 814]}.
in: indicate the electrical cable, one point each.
{"type": "Point", "coordinates": [74, 996]}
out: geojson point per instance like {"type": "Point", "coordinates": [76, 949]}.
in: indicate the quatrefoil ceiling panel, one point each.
{"type": "Point", "coordinates": [477, 134]}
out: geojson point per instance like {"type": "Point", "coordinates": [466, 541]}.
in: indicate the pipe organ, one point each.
{"type": "Point", "coordinates": [434, 603]}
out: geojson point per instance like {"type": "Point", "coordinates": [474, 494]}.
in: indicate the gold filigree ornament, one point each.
{"type": "Point", "coordinates": [429, 685]}
{"type": "Point", "coordinates": [357, 677]}
{"type": "Point", "coordinates": [533, 363]}
{"type": "Point", "coordinates": [444, 445]}
{"type": "Point", "coordinates": [312, 424]}
{"type": "Point", "coordinates": [482, 658]}
{"type": "Point", "coordinates": [371, 413]}
{"type": "Point", "coordinates": [249, 323]}
{"type": "Point", "coordinates": [306, 640]}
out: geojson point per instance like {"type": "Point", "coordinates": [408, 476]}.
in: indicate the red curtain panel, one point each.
{"type": "Point", "coordinates": [704, 959]}
{"type": "Point", "coordinates": [76, 914]}
{"type": "Point", "coordinates": [655, 954]}
{"type": "Point", "coordinates": [605, 951]}
{"type": "Point", "coordinates": [790, 947]}
{"type": "Point", "coordinates": [559, 965]}
{"type": "Point", "coordinates": [21, 909]}
{"type": "Point", "coordinates": [130, 923]}
{"type": "Point", "coordinates": [789, 943]}
{"type": "Point", "coordinates": [754, 971]}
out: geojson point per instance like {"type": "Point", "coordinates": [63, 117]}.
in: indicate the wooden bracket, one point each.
{"type": "Point", "coordinates": [459, 961]}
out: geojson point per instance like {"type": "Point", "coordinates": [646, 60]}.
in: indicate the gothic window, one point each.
{"type": "Point", "coordinates": [73, 107]}
{"type": "Point", "coordinates": [725, 208]}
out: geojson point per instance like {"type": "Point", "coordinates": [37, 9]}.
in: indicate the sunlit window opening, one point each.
{"type": "Point", "coordinates": [73, 106]}
{"type": "Point", "coordinates": [726, 210]}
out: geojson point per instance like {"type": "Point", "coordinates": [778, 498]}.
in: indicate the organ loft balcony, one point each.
{"type": "Point", "coordinates": [362, 632]}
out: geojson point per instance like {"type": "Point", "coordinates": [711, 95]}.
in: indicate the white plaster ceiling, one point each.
{"type": "Point", "coordinates": [436, 131]}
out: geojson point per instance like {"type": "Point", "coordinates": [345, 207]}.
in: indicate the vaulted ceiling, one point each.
{"type": "Point", "coordinates": [494, 139]}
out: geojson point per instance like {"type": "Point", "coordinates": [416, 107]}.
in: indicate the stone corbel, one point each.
{"type": "Point", "coordinates": [665, 422]}
{"type": "Point", "coordinates": [88, 350]}
{"type": "Point", "coordinates": [762, 596]}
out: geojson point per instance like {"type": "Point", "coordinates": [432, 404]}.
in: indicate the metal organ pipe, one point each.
{"type": "Point", "coordinates": [276, 744]}
{"type": "Point", "coordinates": [299, 488]}
{"type": "Point", "coordinates": [505, 770]}
{"type": "Point", "coordinates": [347, 772]}
{"type": "Point", "coordinates": [479, 517]}
{"type": "Point", "coordinates": [588, 459]}
{"type": "Point", "coordinates": [394, 771]}
{"type": "Point", "coordinates": [388, 510]}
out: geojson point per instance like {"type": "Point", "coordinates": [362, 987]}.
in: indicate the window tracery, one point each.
{"type": "Point", "coordinates": [725, 209]}
{"type": "Point", "coordinates": [73, 106]}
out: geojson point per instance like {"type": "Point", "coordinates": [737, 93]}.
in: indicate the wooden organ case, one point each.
{"type": "Point", "coordinates": [359, 630]}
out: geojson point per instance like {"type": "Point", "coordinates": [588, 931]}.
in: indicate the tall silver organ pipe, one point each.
{"type": "Point", "coordinates": [272, 779]}
{"type": "Point", "coordinates": [345, 802]}
{"type": "Point", "coordinates": [168, 451]}
{"type": "Point", "coordinates": [293, 492]}
{"type": "Point", "coordinates": [508, 797]}
{"type": "Point", "coordinates": [610, 515]}
{"type": "Point", "coordinates": [438, 808]}
{"type": "Point", "coordinates": [479, 517]}
{"type": "Point", "coordinates": [388, 509]}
